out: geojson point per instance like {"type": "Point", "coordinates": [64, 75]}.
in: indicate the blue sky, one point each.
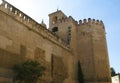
{"type": "Point", "coordinates": [106, 10]}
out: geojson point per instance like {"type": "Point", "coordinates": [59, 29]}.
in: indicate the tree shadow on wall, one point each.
{"type": "Point", "coordinates": [80, 74]}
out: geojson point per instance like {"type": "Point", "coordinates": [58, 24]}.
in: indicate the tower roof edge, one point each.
{"type": "Point", "coordinates": [58, 11]}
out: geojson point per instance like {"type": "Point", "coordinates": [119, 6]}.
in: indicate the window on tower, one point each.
{"type": "Point", "coordinates": [54, 29]}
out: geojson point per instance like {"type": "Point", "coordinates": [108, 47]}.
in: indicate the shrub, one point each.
{"type": "Point", "coordinates": [28, 72]}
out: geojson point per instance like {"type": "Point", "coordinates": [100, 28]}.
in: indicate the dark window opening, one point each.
{"type": "Point", "coordinates": [69, 29]}
{"type": "Point", "coordinates": [69, 35]}
{"type": "Point", "coordinates": [55, 29]}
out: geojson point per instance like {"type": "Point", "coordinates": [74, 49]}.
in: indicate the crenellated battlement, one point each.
{"type": "Point", "coordinates": [66, 20]}
{"type": "Point", "coordinates": [41, 29]}
{"type": "Point", "coordinates": [30, 23]}
{"type": "Point", "coordinates": [67, 45]}
{"type": "Point", "coordinates": [81, 22]}
{"type": "Point", "coordinates": [72, 19]}
{"type": "Point", "coordinates": [90, 21]}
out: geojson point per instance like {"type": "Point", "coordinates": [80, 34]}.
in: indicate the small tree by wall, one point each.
{"type": "Point", "coordinates": [80, 73]}
{"type": "Point", "coordinates": [28, 72]}
{"type": "Point", "coordinates": [113, 73]}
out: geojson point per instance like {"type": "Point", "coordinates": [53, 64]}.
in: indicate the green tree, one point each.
{"type": "Point", "coordinates": [80, 73]}
{"type": "Point", "coordinates": [113, 73]}
{"type": "Point", "coordinates": [28, 72]}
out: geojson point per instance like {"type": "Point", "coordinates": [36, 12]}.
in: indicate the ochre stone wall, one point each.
{"type": "Point", "coordinates": [58, 71]}
{"type": "Point", "coordinates": [22, 38]}
{"type": "Point", "coordinates": [93, 51]}
{"type": "Point", "coordinates": [88, 45]}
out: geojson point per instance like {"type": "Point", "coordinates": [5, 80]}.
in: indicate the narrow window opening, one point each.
{"type": "Point", "coordinates": [69, 35]}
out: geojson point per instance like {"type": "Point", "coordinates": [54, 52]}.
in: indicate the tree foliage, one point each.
{"type": "Point", "coordinates": [28, 72]}
{"type": "Point", "coordinates": [113, 73]}
{"type": "Point", "coordinates": [80, 73]}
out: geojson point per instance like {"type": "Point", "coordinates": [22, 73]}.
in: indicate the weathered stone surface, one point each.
{"type": "Point", "coordinates": [58, 71]}
{"type": "Point", "coordinates": [58, 48]}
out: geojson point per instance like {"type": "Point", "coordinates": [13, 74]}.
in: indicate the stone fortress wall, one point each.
{"type": "Point", "coordinates": [22, 38]}
{"type": "Point", "coordinates": [59, 48]}
{"type": "Point", "coordinates": [88, 43]}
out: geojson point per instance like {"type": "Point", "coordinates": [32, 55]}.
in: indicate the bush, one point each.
{"type": "Point", "coordinates": [28, 72]}
{"type": "Point", "coordinates": [113, 73]}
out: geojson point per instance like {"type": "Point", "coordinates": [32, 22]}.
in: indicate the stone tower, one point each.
{"type": "Point", "coordinates": [87, 41]}
{"type": "Point", "coordinates": [92, 51]}
{"type": "Point", "coordinates": [66, 49]}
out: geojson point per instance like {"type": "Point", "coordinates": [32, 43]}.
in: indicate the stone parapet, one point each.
{"type": "Point", "coordinates": [91, 21]}
{"type": "Point", "coordinates": [31, 24]}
